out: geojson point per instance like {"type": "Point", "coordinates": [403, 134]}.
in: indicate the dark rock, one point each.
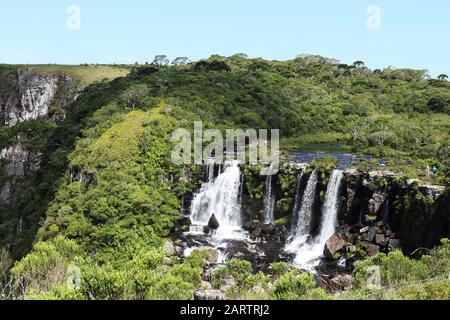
{"type": "Point", "coordinates": [213, 223]}
{"type": "Point", "coordinates": [372, 233]}
{"type": "Point", "coordinates": [185, 221]}
{"type": "Point", "coordinates": [333, 245]}
{"type": "Point", "coordinates": [206, 230]}
{"type": "Point", "coordinates": [268, 229]}
{"type": "Point", "coordinates": [394, 244]}
{"type": "Point", "coordinates": [389, 233]}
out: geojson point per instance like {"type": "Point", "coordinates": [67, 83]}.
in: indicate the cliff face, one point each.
{"type": "Point", "coordinates": [379, 211]}
{"type": "Point", "coordinates": [34, 94]}
{"type": "Point", "coordinates": [17, 164]}
{"type": "Point", "coordinates": [28, 95]}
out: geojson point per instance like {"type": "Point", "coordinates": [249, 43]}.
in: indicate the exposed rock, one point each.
{"type": "Point", "coordinates": [333, 245]}
{"type": "Point", "coordinates": [209, 295]}
{"type": "Point", "coordinates": [371, 249]}
{"type": "Point", "coordinates": [268, 229]}
{"type": "Point", "coordinates": [394, 244]}
{"type": "Point", "coordinates": [185, 221]}
{"type": "Point", "coordinates": [380, 240]}
{"type": "Point", "coordinates": [169, 248]}
{"type": "Point", "coordinates": [341, 282]}
{"type": "Point", "coordinates": [372, 233]}
{"type": "Point", "coordinates": [376, 203]}
{"type": "Point", "coordinates": [432, 191]}
{"type": "Point", "coordinates": [206, 230]}
{"type": "Point", "coordinates": [35, 94]}
{"type": "Point", "coordinates": [16, 163]}
{"type": "Point", "coordinates": [211, 258]}
{"type": "Point", "coordinates": [213, 223]}
{"type": "Point", "coordinates": [351, 249]}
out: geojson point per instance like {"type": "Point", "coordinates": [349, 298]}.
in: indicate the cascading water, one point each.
{"type": "Point", "coordinates": [219, 196]}
{"type": "Point", "coordinates": [269, 200]}
{"type": "Point", "coordinates": [303, 216]}
{"type": "Point", "coordinates": [297, 202]}
{"type": "Point", "coordinates": [308, 254]}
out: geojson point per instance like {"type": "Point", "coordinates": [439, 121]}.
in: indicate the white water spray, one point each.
{"type": "Point", "coordinates": [309, 253]}
{"type": "Point", "coordinates": [219, 196]}
{"type": "Point", "coordinates": [269, 199]}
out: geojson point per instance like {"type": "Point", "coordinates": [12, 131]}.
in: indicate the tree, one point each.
{"type": "Point", "coordinates": [181, 61]}
{"type": "Point", "coordinates": [443, 77]}
{"type": "Point", "coordinates": [359, 64]}
{"type": "Point", "coordinates": [161, 60]}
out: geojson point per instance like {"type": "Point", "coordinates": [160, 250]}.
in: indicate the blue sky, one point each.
{"type": "Point", "coordinates": [413, 33]}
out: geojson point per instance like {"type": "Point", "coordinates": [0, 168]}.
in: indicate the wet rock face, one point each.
{"type": "Point", "coordinates": [35, 94]}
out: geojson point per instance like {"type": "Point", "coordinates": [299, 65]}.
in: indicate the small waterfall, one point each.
{"type": "Point", "coordinates": [297, 203]}
{"type": "Point", "coordinates": [209, 167]}
{"type": "Point", "coordinates": [308, 254]}
{"type": "Point", "coordinates": [220, 196]}
{"type": "Point", "coordinates": [269, 200]}
{"type": "Point", "coordinates": [304, 214]}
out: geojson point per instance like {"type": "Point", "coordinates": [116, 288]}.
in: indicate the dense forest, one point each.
{"type": "Point", "coordinates": [106, 196]}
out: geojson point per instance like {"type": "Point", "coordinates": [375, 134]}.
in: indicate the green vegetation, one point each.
{"type": "Point", "coordinates": [107, 195]}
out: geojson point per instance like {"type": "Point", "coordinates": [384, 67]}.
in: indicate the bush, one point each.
{"type": "Point", "coordinates": [294, 286]}
{"type": "Point", "coordinates": [171, 287]}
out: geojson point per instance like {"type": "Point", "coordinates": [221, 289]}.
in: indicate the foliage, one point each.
{"type": "Point", "coordinates": [295, 286]}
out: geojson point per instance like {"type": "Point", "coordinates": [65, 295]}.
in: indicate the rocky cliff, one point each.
{"type": "Point", "coordinates": [32, 94]}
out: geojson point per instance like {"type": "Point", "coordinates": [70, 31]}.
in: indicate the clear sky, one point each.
{"type": "Point", "coordinates": [414, 33]}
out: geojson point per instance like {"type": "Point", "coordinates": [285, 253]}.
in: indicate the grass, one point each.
{"type": "Point", "coordinates": [87, 74]}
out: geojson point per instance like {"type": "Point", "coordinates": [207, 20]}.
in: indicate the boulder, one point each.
{"type": "Point", "coordinates": [333, 245]}
{"type": "Point", "coordinates": [394, 244]}
{"type": "Point", "coordinates": [213, 223]}
{"type": "Point", "coordinates": [209, 295]}
{"type": "Point", "coordinates": [372, 233]}
{"type": "Point", "coordinates": [371, 249]}
{"type": "Point", "coordinates": [342, 282]}
{"type": "Point", "coordinates": [206, 229]}
{"type": "Point", "coordinates": [185, 221]}
{"type": "Point", "coordinates": [380, 240]}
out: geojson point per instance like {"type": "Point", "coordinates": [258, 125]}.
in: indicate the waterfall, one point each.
{"type": "Point", "coordinates": [220, 196]}
{"type": "Point", "coordinates": [209, 166]}
{"type": "Point", "coordinates": [269, 200]}
{"type": "Point", "coordinates": [304, 215]}
{"type": "Point", "coordinates": [309, 253]}
{"type": "Point", "coordinates": [297, 202]}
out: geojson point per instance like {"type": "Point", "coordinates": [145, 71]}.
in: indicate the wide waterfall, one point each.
{"type": "Point", "coordinates": [269, 200]}
{"type": "Point", "coordinates": [219, 196]}
{"type": "Point", "coordinates": [309, 251]}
